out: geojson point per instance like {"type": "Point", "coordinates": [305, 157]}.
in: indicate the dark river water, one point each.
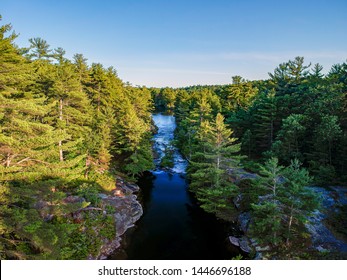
{"type": "Point", "coordinates": [173, 226]}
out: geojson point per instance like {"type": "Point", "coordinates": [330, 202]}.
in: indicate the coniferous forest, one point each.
{"type": "Point", "coordinates": [69, 130]}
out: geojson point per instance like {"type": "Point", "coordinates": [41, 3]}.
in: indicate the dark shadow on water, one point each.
{"type": "Point", "coordinates": [173, 226]}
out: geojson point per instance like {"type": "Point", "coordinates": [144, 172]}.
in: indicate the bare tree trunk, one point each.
{"type": "Point", "coordinates": [61, 156]}
{"type": "Point", "coordinates": [8, 160]}
{"type": "Point", "coordinates": [289, 224]}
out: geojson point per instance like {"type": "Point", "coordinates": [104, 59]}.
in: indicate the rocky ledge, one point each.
{"type": "Point", "coordinates": [127, 211]}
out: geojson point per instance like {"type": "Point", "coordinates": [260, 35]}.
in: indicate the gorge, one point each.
{"type": "Point", "coordinates": [173, 225]}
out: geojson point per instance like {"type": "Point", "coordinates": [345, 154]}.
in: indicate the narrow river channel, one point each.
{"type": "Point", "coordinates": [173, 226]}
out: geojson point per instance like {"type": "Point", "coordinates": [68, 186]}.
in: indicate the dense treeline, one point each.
{"type": "Point", "coordinates": [297, 113]}
{"type": "Point", "coordinates": [291, 130]}
{"type": "Point", "coordinates": [66, 128]}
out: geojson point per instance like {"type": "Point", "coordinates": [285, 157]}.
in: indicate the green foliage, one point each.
{"type": "Point", "coordinates": [237, 258]}
{"type": "Point", "coordinates": [90, 192]}
{"type": "Point", "coordinates": [64, 126]}
{"type": "Point", "coordinates": [287, 145]}
{"type": "Point", "coordinates": [285, 203]}
{"type": "Point", "coordinates": [214, 154]}
{"type": "Point", "coordinates": [239, 95]}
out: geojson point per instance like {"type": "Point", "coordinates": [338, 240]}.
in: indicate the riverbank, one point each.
{"type": "Point", "coordinates": [127, 211]}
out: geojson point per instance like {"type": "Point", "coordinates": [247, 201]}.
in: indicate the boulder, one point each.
{"type": "Point", "coordinates": [133, 188]}
{"type": "Point", "coordinates": [242, 243]}
{"type": "Point", "coordinates": [234, 241]}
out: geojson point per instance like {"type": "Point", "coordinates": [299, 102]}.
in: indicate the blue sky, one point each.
{"type": "Point", "coordinates": [179, 43]}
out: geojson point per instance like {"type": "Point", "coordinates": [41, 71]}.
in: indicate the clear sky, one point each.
{"type": "Point", "coordinates": [185, 42]}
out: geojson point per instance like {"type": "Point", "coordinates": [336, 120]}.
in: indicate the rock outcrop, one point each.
{"type": "Point", "coordinates": [323, 237]}
{"type": "Point", "coordinates": [127, 211]}
{"type": "Point", "coordinates": [323, 234]}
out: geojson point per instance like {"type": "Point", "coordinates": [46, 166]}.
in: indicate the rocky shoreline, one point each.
{"type": "Point", "coordinates": [128, 211]}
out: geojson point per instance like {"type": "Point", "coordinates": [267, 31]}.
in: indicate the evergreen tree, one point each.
{"type": "Point", "coordinates": [39, 49]}
{"type": "Point", "coordinates": [247, 142]}
{"type": "Point", "coordinates": [213, 187]}
{"type": "Point", "coordinates": [298, 200]}
{"type": "Point", "coordinates": [82, 70]}
{"type": "Point", "coordinates": [239, 94]}
{"type": "Point", "coordinates": [285, 203]}
{"type": "Point", "coordinates": [168, 96]}
{"type": "Point", "coordinates": [267, 212]}
{"type": "Point", "coordinates": [15, 72]}
{"type": "Point", "coordinates": [58, 129]}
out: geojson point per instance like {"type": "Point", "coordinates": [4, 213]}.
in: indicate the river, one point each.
{"type": "Point", "coordinates": [172, 226]}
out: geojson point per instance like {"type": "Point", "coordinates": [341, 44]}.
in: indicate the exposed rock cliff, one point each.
{"type": "Point", "coordinates": [127, 211]}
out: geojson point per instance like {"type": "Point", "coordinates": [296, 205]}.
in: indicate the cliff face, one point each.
{"type": "Point", "coordinates": [127, 210]}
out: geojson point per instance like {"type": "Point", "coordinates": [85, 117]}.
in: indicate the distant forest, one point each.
{"type": "Point", "coordinates": [68, 128]}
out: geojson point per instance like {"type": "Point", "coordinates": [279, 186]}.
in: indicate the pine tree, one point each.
{"type": "Point", "coordinates": [96, 86]}
{"type": "Point", "coordinates": [298, 200]}
{"type": "Point", "coordinates": [73, 114]}
{"type": "Point", "coordinates": [40, 49]}
{"type": "Point", "coordinates": [267, 212]}
{"type": "Point", "coordinates": [247, 142]}
{"type": "Point", "coordinates": [218, 154]}
{"type": "Point", "coordinates": [15, 72]}
{"type": "Point", "coordinates": [82, 70]}
{"type": "Point", "coordinates": [284, 204]}
{"type": "Point", "coordinates": [239, 94]}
